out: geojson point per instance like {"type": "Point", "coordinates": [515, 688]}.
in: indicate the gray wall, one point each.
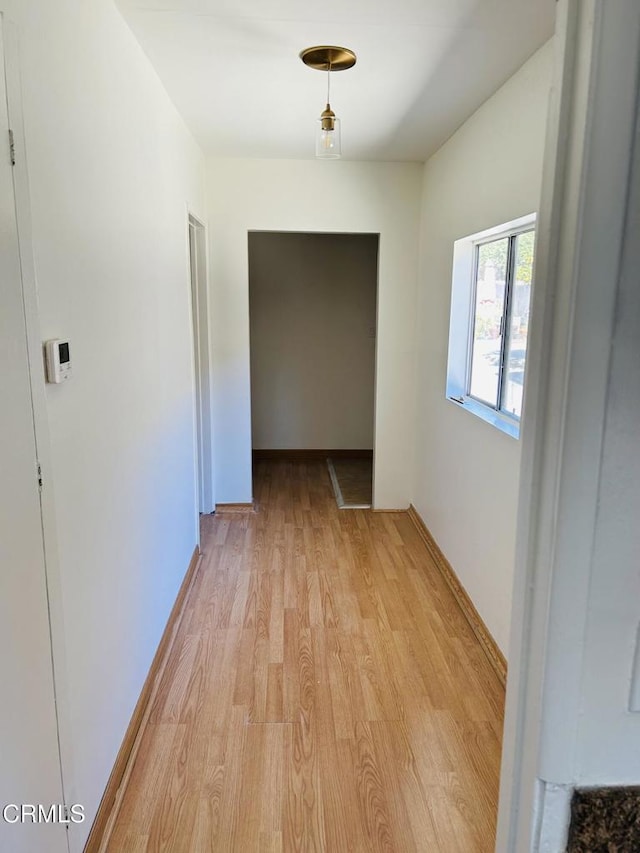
{"type": "Point", "coordinates": [312, 307]}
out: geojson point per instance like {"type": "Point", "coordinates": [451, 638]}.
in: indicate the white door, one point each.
{"type": "Point", "coordinates": [29, 756]}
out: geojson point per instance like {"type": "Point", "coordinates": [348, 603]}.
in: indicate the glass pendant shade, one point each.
{"type": "Point", "coordinates": [328, 146]}
{"type": "Point", "coordinates": [329, 58]}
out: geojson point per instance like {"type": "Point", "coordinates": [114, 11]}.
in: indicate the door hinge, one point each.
{"type": "Point", "coordinates": [39, 477]}
{"type": "Point", "coordinates": [12, 148]}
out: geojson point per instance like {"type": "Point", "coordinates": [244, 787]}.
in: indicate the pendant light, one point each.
{"type": "Point", "coordinates": [329, 59]}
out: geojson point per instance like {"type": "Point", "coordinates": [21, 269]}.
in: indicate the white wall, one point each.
{"type": "Point", "coordinates": [312, 310]}
{"type": "Point", "coordinates": [591, 729]}
{"type": "Point", "coordinates": [466, 472]}
{"type": "Point", "coordinates": [112, 168]}
{"type": "Point", "coordinates": [301, 195]}
{"type": "Point", "coordinates": [575, 616]}
{"type": "Point", "coordinates": [608, 744]}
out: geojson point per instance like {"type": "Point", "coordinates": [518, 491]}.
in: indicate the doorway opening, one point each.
{"type": "Point", "coordinates": [202, 364]}
{"type": "Point", "coordinates": [313, 321]}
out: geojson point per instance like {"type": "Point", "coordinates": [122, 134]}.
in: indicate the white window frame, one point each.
{"type": "Point", "coordinates": [461, 324]}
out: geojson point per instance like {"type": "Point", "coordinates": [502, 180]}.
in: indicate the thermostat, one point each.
{"type": "Point", "coordinates": [58, 360]}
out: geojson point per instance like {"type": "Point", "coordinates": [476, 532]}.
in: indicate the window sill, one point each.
{"type": "Point", "coordinates": [503, 422]}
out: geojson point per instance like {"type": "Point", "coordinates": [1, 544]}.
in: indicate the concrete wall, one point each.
{"type": "Point", "coordinates": [466, 473]}
{"type": "Point", "coordinates": [312, 307]}
{"type": "Point", "coordinates": [312, 196]}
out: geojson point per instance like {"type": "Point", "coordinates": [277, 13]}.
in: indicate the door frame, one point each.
{"type": "Point", "coordinates": [581, 229]}
{"type": "Point", "coordinates": [198, 265]}
{"type": "Point", "coordinates": [10, 36]}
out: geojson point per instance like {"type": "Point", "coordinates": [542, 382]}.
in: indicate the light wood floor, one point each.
{"type": "Point", "coordinates": [324, 692]}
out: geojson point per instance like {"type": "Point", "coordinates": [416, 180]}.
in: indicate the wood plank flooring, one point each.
{"type": "Point", "coordinates": [324, 693]}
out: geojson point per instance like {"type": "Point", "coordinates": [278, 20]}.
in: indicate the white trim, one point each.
{"type": "Point", "coordinates": [10, 36]}
{"type": "Point", "coordinates": [519, 769]}
{"type": "Point", "coordinates": [515, 226]}
{"type": "Point", "coordinates": [493, 417]}
{"type": "Point", "coordinates": [461, 323]}
{"type": "Point", "coordinates": [201, 366]}
{"type": "Point", "coordinates": [581, 224]}
{"type": "Point", "coordinates": [553, 817]}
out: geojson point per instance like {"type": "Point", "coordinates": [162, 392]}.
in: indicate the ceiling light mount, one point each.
{"type": "Point", "coordinates": [328, 58]}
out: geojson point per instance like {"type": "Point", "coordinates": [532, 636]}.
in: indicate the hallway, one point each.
{"type": "Point", "coordinates": [324, 692]}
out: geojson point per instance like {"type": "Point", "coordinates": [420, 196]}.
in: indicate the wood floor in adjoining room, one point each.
{"type": "Point", "coordinates": [324, 693]}
{"type": "Point", "coordinates": [352, 481]}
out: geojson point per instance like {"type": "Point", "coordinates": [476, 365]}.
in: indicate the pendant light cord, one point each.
{"type": "Point", "coordinates": [329, 83]}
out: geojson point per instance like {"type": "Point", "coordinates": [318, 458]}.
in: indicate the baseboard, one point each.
{"type": "Point", "coordinates": [489, 645]}
{"type": "Point", "coordinates": [112, 797]}
{"type": "Point", "coordinates": [310, 454]}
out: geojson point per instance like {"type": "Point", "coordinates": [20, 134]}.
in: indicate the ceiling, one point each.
{"type": "Point", "coordinates": [232, 68]}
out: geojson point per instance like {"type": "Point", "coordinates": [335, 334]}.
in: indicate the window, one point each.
{"type": "Point", "coordinates": [490, 302]}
